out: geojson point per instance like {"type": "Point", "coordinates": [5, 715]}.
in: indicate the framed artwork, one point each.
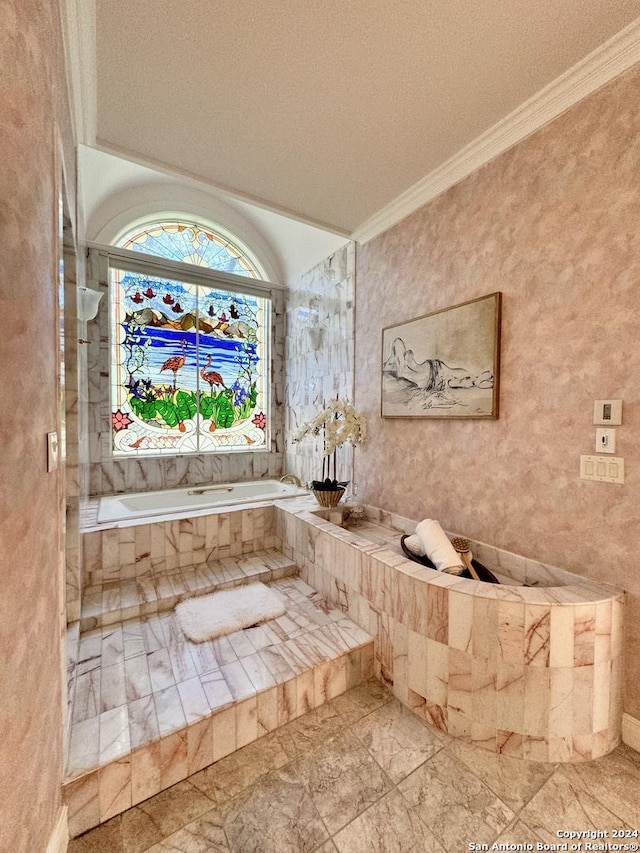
{"type": "Point", "coordinates": [445, 364]}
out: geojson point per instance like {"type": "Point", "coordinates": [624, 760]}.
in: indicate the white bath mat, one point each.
{"type": "Point", "coordinates": [208, 616]}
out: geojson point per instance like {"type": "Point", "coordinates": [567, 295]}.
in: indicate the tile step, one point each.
{"type": "Point", "coordinates": [150, 708]}
{"type": "Point", "coordinates": [117, 601]}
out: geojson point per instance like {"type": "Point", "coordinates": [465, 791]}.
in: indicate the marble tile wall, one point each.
{"type": "Point", "coordinates": [147, 550]}
{"type": "Point", "coordinates": [110, 476]}
{"type": "Point", "coordinates": [548, 224]}
{"type": "Point", "coordinates": [319, 355]}
{"type": "Point", "coordinates": [532, 672]}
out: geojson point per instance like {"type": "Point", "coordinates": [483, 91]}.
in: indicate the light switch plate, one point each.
{"type": "Point", "coordinates": [52, 451]}
{"type": "Point", "coordinates": [604, 469]}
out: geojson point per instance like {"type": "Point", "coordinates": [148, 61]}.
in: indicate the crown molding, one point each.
{"type": "Point", "coordinates": [601, 66]}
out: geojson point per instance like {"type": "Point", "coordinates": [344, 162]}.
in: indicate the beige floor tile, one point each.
{"type": "Point", "coordinates": [518, 833]}
{"type": "Point", "coordinates": [388, 826]}
{"type": "Point", "coordinates": [565, 803]}
{"type": "Point", "coordinates": [310, 731]}
{"type": "Point", "coordinates": [361, 701]}
{"type": "Point", "coordinates": [231, 775]}
{"type": "Point", "coordinates": [613, 780]}
{"type": "Point", "coordinates": [204, 835]}
{"type": "Point", "coordinates": [454, 803]}
{"type": "Point", "coordinates": [162, 815]}
{"type": "Point", "coordinates": [397, 739]}
{"type": "Point", "coordinates": [106, 838]}
{"type": "Point", "coordinates": [342, 778]}
{"type": "Point", "coordinates": [514, 780]}
{"type": "Point", "coordinates": [333, 763]}
{"type": "Point", "coordinates": [631, 754]}
{"type": "Point", "coordinates": [276, 815]}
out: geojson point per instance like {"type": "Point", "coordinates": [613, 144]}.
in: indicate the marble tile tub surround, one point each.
{"type": "Point", "coordinates": [109, 476]}
{"type": "Point", "coordinates": [129, 550]}
{"type": "Point", "coordinates": [548, 224]}
{"type": "Point", "coordinates": [532, 672]}
{"type": "Point", "coordinates": [150, 707]}
{"type": "Point", "coordinates": [321, 304]}
{"type": "Point", "coordinates": [363, 775]}
{"type": "Point", "coordinates": [117, 601]}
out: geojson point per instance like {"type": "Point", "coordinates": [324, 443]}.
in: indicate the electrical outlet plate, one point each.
{"type": "Point", "coordinates": [602, 469]}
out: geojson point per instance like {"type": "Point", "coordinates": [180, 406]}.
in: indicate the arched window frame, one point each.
{"type": "Point", "coordinates": [202, 224]}
{"type": "Point", "coordinates": [182, 420]}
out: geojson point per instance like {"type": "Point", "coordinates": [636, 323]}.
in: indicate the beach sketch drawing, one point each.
{"type": "Point", "coordinates": [444, 364]}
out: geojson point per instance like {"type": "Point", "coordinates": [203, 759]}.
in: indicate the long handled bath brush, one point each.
{"type": "Point", "coordinates": [463, 547]}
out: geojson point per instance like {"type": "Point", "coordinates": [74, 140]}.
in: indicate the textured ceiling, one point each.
{"type": "Point", "coordinates": [327, 109]}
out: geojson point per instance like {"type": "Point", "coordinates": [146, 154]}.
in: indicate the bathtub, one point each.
{"type": "Point", "coordinates": [114, 508]}
{"type": "Point", "coordinates": [532, 667]}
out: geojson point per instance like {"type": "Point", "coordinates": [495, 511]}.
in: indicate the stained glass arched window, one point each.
{"type": "Point", "coordinates": [190, 360]}
{"type": "Point", "coordinates": [191, 244]}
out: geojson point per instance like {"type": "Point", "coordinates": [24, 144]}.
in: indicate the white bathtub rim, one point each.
{"type": "Point", "coordinates": [163, 515]}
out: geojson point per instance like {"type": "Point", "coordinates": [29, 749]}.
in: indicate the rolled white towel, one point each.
{"type": "Point", "coordinates": [436, 545]}
{"type": "Point", "coordinates": [414, 545]}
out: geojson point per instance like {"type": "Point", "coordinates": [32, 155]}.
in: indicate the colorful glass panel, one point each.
{"type": "Point", "coordinates": [190, 244]}
{"type": "Point", "coordinates": [190, 367]}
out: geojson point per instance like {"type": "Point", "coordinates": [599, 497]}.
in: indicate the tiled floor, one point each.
{"type": "Point", "coordinates": [363, 774]}
{"type": "Point", "coordinates": [141, 680]}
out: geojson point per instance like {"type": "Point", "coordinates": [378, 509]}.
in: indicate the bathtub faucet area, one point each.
{"type": "Point", "coordinates": [291, 478]}
{"type": "Point", "coordinates": [206, 489]}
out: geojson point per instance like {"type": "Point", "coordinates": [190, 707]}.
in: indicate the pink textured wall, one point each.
{"type": "Point", "coordinates": [31, 99]}
{"type": "Point", "coordinates": [555, 225]}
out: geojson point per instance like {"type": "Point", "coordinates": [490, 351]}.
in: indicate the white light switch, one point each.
{"type": "Point", "coordinates": [602, 469]}
{"type": "Point", "coordinates": [605, 441]}
{"type": "Point", "coordinates": [52, 451]}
